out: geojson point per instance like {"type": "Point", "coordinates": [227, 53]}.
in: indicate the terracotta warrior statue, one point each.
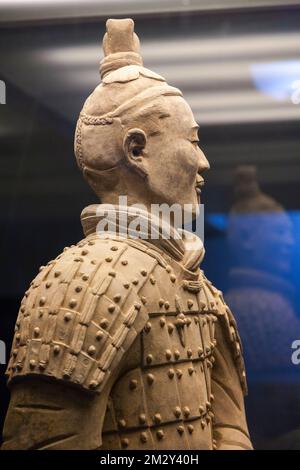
{"type": "Point", "coordinates": [121, 342]}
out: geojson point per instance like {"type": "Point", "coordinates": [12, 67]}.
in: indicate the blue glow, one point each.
{"type": "Point", "coordinates": [276, 79]}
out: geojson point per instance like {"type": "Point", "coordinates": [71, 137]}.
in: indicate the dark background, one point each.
{"type": "Point", "coordinates": [50, 66]}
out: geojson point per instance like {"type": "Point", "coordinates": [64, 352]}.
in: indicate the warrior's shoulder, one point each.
{"type": "Point", "coordinates": [83, 311]}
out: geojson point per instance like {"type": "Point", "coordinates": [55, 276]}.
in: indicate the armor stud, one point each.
{"type": "Point", "coordinates": [186, 411]}
{"type": "Point", "coordinates": [114, 248]}
{"type": "Point", "coordinates": [161, 302]}
{"type": "Point", "coordinates": [170, 328]}
{"type": "Point", "coordinates": [191, 370]}
{"type": "Point", "coordinates": [171, 373]}
{"type": "Point", "coordinates": [67, 316]}
{"type": "Point", "coordinates": [190, 428]}
{"type": "Point", "coordinates": [168, 354]}
{"type": "Point", "coordinates": [56, 349]}
{"type": "Point", "coordinates": [180, 430]}
{"type": "Point", "coordinates": [125, 442]}
{"type": "Point", "coordinates": [160, 434]}
{"type": "Point", "coordinates": [132, 384]}
{"type": "Point", "coordinates": [72, 303]}
{"type": "Point", "coordinates": [149, 358]}
{"type": "Point", "coordinates": [150, 379]}
{"type": "Point", "coordinates": [157, 418]}
{"type": "Point", "coordinates": [124, 262]}
{"type": "Point", "coordinates": [179, 373]}
{"type": "Point", "coordinates": [122, 423]}
{"type": "Point", "coordinates": [177, 354]}
{"type": "Point", "coordinates": [91, 350]}
{"type": "Point", "coordinates": [162, 322]}
{"type": "Point", "coordinates": [147, 327]}
{"type": "Point", "coordinates": [117, 297]}
{"type": "Point", "coordinates": [143, 437]}
{"type": "Point", "coordinates": [111, 308]}
{"type": "Point", "coordinates": [142, 418]}
{"type": "Point", "coordinates": [177, 412]}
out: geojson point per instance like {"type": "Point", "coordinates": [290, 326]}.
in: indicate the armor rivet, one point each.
{"type": "Point", "coordinates": [114, 248]}
{"type": "Point", "coordinates": [157, 418]}
{"type": "Point", "coordinates": [147, 327]}
{"type": "Point", "coordinates": [152, 280]}
{"type": "Point", "coordinates": [122, 423]}
{"type": "Point", "coordinates": [190, 303]}
{"type": "Point", "coordinates": [104, 323]}
{"type": "Point", "coordinates": [212, 304]}
{"type": "Point", "coordinates": [181, 316]}
{"type": "Point", "coordinates": [112, 273]}
{"type": "Point", "coordinates": [201, 409]}
{"type": "Point", "coordinates": [191, 370]}
{"type": "Point", "coordinates": [78, 289]}
{"type": "Point", "coordinates": [32, 363]}
{"type": "Point", "coordinates": [142, 418]}
{"type": "Point", "coordinates": [85, 277]}
{"type": "Point", "coordinates": [108, 259]}
{"type": "Point", "coordinates": [203, 423]}
{"type": "Point", "coordinates": [56, 349]}
{"type": "Point", "coordinates": [149, 358]}
{"type": "Point", "coordinates": [72, 303]}
{"type": "Point", "coordinates": [99, 335]}
{"type": "Point", "coordinates": [125, 442]}
{"type": "Point", "coordinates": [48, 284]}
{"type": "Point", "coordinates": [137, 306]}
{"type": "Point", "coordinates": [162, 322]}
{"type": "Point", "coordinates": [111, 308]}
{"type": "Point", "coordinates": [91, 350]}
{"type": "Point", "coordinates": [207, 349]}
{"type": "Point", "coordinates": [135, 282]}
{"type": "Point", "coordinates": [168, 354]}
{"type": "Point", "coordinates": [173, 278]}
{"type": "Point", "coordinates": [132, 384]}
{"type": "Point", "coordinates": [15, 352]}
{"type": "Point", "coordinates": [77, 259]}
{"type": "Point", "coordinates": [41, 268]}
{"type": "Point", "coordinates": [143, 437]}
{"type": "Point", "coordinates": [171, 373]}
{"type": "Point", "coordinates": [208, 405]}
{"type": "Point", "coordinates": [42, 365]}
{"type": "Point", "coordinates": [177, 354]}
{"type": "Point", "coordinates": [150, 379]}
{"type": "Point", "coordinates": [93, 261]}
{"type": "Point", "coordinates": [161, 302]}
{"type": "Point", "coordinates": [160, 434]}
{"type": "Point", "coordinates": [22, 309]}
{"type": "Point", "coordinates": [124, 262]}
{"type": "Point", "coordinates": [18, 337]}
{"type": "Point", "coordinates": [36, 331]}
{"type": "Point", "coordinates": [185, 285]}
{"type": "Point", "coordinates": [67, 316]}
{"type": "Point", "coordinates": [41, 313]}
{"type": "Point", "coordinates": [117, 297]}
{"type": "Point", "coordinates": [189, 352]}
{"type": "Point", "coordinates": [57, 273]}
{"type": "Point", "coordinates": [179, 373]}
{"type": "Point", "coordinates": [91, 242]}
{"type": "Point", "coordinates": [42, 301]}
{"type": "Point", "coordinates": [18, 366]}
{"type": "Point", "coordinates": [200, 352]}
{"type": "Point", "coordinates": [126, 285]}
{"type": "Point", "coordinates": [84, 252]}
{"type": "Point", "coordinates": [167, 305]}
{"type": "Point", "coordinates": [188, 321]}
{"type": "Point", "coordinates": [180, 430]}
{"type": "Point", "coordinates": [93, 384]}
{"type": "Point", "coordinates": [177, 412]}
{"type": "Point", "coordinates": [143, 272]}
{"type": "Point", "coordinates": [168, 268]}
{"type": "Point", "coordinates": [143, 299]}
{"type": "Point", "coordinates": [186, 411]}
{"type": "Point", "coordinates": [190, 428]}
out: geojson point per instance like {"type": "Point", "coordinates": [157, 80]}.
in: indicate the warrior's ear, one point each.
{"type": "Point", "coordinates": [134, 144]}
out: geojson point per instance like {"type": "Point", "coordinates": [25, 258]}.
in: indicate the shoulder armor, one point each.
{"type": "Point", "coordinates": [81, 314]}
{"type": "Point", "coordinates": [229, 326]}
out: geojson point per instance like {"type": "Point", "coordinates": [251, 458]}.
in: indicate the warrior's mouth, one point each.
{"type": "Point", "coordinates": [199, 184]}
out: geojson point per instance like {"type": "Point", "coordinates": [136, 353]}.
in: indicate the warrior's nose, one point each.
{"type": "Point", "coordinates": [203, 164]}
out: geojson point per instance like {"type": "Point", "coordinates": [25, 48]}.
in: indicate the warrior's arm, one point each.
{"type": "Point", "coordinates": [230, 429]}
{"type": "Point", "coordinates": [76, 324]}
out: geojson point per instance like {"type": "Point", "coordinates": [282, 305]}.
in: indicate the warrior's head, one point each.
{"type": "Point", "coordinates": [136, 135]}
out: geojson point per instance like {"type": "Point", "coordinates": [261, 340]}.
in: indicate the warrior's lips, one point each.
{"type": "Point", "coordinates": [199, 184]}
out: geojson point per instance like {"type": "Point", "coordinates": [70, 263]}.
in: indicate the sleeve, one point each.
{"type": "Point", "coordinates": [76, 323]}
{"type": "Point", "coordinates": [230, 430]}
